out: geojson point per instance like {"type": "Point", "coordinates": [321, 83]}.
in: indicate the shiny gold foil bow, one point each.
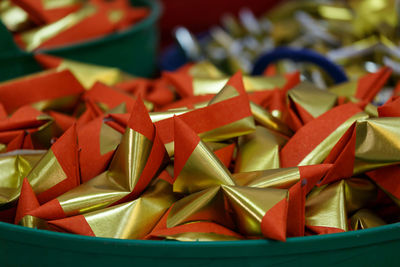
{"type": "Point", "coordinates": [210, 186]}
{"type": "Point", "coordinates": [298, 180]}
{"type": "Point", "coordinates": [135, 163]}
{"type": "Point", "coordinates": [48, 173]}
{"type": "Point", "coordinates": [312, 143]}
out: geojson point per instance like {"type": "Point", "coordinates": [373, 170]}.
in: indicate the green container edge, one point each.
{"type": "Point", "coordinates": [367, 247]}
{"type": "Point", "coordinates": [143, 37]}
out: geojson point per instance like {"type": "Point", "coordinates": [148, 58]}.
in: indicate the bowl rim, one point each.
{"type": "Point", "coordinates": [217, 249]}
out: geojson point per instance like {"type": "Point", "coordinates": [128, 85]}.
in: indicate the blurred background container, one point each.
{"type": "Point", "coordinates": [198, 16]}
{"type": "Point", "coordinates": [133, 50]}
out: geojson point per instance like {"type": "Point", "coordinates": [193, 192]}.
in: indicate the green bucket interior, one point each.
{"type": "Point", "coordinates": [371, 247]}
{"type": "Point", "coordinates": [133, 50]}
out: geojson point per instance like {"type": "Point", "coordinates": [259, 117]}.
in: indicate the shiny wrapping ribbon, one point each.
{"type": "Point", "coordinates": [307, 102]}
{"type": "Point", "coordinates": [213, 86]}
{"type": "Point", "coordinates": [86, 74]}
{"type": "Point", "coordinates": [365, 88]}
{"type": "Point", "coordinates": [129, 220]}
{"type": "Point", "coordinates": [214, 185]}
{"type": "Point", "coordinates": [203, 69]}
{"type": "Point", "coordinates": [97, 143]}
{"type": "Point", "coordinates": [28, 128]}
{"type": "Point", "coordinates": [27, 202]}
{"type": "Point", "coordinates": [58, 169]}
{"type": "Point", "coordinates": [360, 149]}
{"type": "Point", "coordinates": [44, 84]}
{"type": "Point", "coordinates": [383, 12]}
{"type": "Point", "coordinates": [364, 219]}
{"type": "Point", "coordinates": [188, 82]}
{"type": "Point", "coordinates": [47, 11]}
{"type": "Point", "coordinates": [36, 38]}
{"type": "Point", "coordinates": [15, 166]}
{"type": "Point", "coordinates": [259, 151]}
{"type": "Point", "coordinates": [268, 120]}
{"type": "Point", "coordinates": [237, 119]}
{"type": "Point", "coordinates": [220, 167]}
{"type": "Point", "coordinates": [249, 208]}
{"type": "Point", "coordinates": [347, 32]}
{"type": "Point", "coordinates": [108, 98]}
{"type": "Point", "coordinates": [155, 91]}
{"type": "Point", "coordinates": [385, 178]}
{"type": "Point", "coordinates": [298, 180]}
{"type": "Point", "coordinates": [312, 143]}
{"type": "Point", "coordinates": [328, 207]}
{"type": "Point", "coordinates": [389, 109]}
{"type": "Point", "coordinates": [371, 135]}
{"type": "Point", "coordinates": [196, 231]}
{"type": "Point", "coordinates": [134, 164]}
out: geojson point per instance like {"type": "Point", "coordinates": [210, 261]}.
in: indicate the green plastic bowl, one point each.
{"type": "Point", "coordinates": [133, 50]}
{"type": "Point", "coordinates": [20, 246]}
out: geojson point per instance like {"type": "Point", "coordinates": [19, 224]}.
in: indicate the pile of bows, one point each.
{"type": "Point", "coordinates": [196, 155]}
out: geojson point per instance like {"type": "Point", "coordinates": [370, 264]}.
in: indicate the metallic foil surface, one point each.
{"type": "Point", "coordinates": [117, 182]}
{"type": "Point", "coordinates": [89, 74]}
{"type": "Point", "coordinates": [330, 205]}
{"type": "Point", "coordinates": [268, 120]}
{"type": "Point", "coordinates": [274, 178]}
{"type": "Point", "coordinates": [312, 99]}
{"type": "Point", "coordinates": [13, 17]}
{"type": "Point", "coordinates": [259, 150]}
{"type": "Point", "coordinates": [208, 169]}
{"type": "Point", "coordinates": [321, 151]}
{"type": "Point", "coordinates": [377, 143]}
{"type": "Point", "coordinates": [35, 37]}
{"type": "Point", "coordinates": [134, 219]}
{"type": "Point", "coordinates": [203, 86]}
{"type": "Point", "coordinates": [15, 166]}
{"type": "Point", "coordinates": [364, 219]}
